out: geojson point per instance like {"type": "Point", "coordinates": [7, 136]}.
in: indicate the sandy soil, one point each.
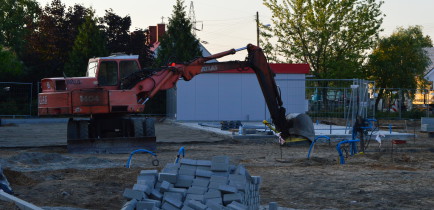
{"type": "Point", "coordinates": [49, 176]}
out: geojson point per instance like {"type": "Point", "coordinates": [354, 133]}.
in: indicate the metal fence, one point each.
{"type": "Point", "coordinates": [326, 100]}
{"type": "Point", "coordinates": [16, 99]}
{"type": "Point", "coordinates": [400, 103]}
{"type": "Point", "coordinates": [343, 99]}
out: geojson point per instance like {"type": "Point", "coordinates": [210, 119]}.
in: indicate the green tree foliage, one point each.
{"type": "Point", "coordinates": [11, 68]}
{"type": "Point", "coordinates": [178, 44]}
{"type": "Point", "coordinates": [137, 46]}
{"type": "Point", "coordinates": [399, 60]}
{"type": "Point", "coordinates": [332, 36]}
{"type": "Point", "coordinates": [74, 18]}
{"type": "Point", "coordinates": [15, 17]}
{"type": "Point", "coordinates": [89, 42]}
{"type": "Point", "coordinates": [52, 39]}
{"type": "Point", "coordinates": [117, 31]}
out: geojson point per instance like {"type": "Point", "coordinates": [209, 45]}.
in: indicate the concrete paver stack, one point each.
{"type": "Point", "coordinates": [195, 184]}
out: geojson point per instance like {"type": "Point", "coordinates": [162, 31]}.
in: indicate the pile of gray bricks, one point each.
{"type": "Point", "coordinates": [195, 184]}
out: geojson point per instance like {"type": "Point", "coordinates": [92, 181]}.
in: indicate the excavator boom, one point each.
{"type": "Point", "coordinates": [256, 60]}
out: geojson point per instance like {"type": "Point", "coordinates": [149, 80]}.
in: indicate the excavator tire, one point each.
{"type": "Point", "coordinates": [149, 127]}
{"type": "Point", "coordinates": [84, 129]}
{"type": "Point", "coordinates": [132, 131]}
{"type": "Point", "coordinates": [138, 127]}
{"type": "Point", "coordinates": [72, 129]}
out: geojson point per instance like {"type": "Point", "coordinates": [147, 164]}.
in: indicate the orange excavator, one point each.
{"type": "Point", "coordinates": [102, 104]}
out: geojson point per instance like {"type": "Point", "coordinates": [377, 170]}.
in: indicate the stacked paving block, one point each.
{"type": "Point", "coordinates": [195, 184]}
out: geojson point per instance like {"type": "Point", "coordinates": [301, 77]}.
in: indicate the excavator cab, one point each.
{"type": "Point", "coordinates": [110, 70]}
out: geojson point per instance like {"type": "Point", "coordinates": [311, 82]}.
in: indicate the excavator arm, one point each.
{"type": "Point", "coordinates": [256, 60]}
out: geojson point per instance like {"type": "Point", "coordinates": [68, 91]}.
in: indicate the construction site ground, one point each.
{"type": "Point", "coordinates": [42, 172]}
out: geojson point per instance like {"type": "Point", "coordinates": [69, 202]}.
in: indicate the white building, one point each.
{"type": "Point", "coordinates": [235, 96]}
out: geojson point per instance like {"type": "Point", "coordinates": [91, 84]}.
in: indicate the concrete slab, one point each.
{"type": "Point", "coordinates": [38, 132]}
{"type": "Point", "coordinates": [335, 132]}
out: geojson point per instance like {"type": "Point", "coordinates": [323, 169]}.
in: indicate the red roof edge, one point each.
{"type": "Point", "coordinates": [290, 68]}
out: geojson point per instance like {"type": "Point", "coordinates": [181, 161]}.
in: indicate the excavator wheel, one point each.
{"type": "Point", "coordinates": [139, 125]}
{"type": "Point", "coordinates": [72, 129]}
{"type": "Point", "coordinates": [83, 126]}
{"type": "Point", "coordinates": [150, 127]}
{"type": "Point", "coordinates": [111, 135]}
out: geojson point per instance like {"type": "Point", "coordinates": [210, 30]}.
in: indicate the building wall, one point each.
{"type": "Point", "coordinates": [429, 73]}
{"type": "Point", "coordinates": [232, 96]}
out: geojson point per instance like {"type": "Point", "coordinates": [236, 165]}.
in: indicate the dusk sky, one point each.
{"type": "Point", "coordinates": [231, 23]}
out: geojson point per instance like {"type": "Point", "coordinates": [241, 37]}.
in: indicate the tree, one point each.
{"type": "Point", "coordinates": [399, 60]}
{"type": "Point", "coordinates": [52, 39]}
{"type": "Point", "coordinates": [178, 43]}
{"type": "Point", "coordinates": [15, 17]}
{"type": "Point", "coordinates": [89, 43]}
{"type": "Point", "coordinates": [10, 67]}
{"type": "Point", "coordinates": [332, 36]}
{"type": "Point", "coordinates": [74, 18]}
{"type": "Point", "coordinates": [117, 31]}
{"type": "Point", "coordinates": [137, 46]}
{"type": "Point", "coordinates": [47, 50]}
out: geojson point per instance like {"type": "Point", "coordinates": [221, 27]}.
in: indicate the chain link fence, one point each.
{"type": "Point", "coordinates": [327, 100]}
{"type": "Point", "coordinates": [342, 99]}
{"type": "Point", "coordinates": [16, 99]}
{"type": "Point", "coordinates": [399, 103]}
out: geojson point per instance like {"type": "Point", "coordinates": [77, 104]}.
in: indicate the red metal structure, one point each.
{"type": "Point", "coordinates": [115, 87]}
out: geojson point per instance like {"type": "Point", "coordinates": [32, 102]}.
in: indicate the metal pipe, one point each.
{"type": "Point", "coordinates": [239, 49]}
{"type": "Point", "coordinates": [313, 143]}
{"type": "Point", "coordinates": [154, 162]}
{"type": "Point", "coordinates": [353, 148]}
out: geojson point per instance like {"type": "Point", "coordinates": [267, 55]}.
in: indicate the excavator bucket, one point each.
{"type": "Point", "coordinates": [301, 126]}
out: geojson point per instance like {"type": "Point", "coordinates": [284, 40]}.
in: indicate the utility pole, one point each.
{"type": "Point", "coordinates": [257, 28]}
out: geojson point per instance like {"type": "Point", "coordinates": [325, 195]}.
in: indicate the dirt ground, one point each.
{"type": "Point", "coordinates": [50, 177]}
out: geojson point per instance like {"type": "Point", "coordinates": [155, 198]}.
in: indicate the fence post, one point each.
{"type": "Point", "coordinates": [31, 98]}
{"type": "Point", "coordinates": [399, 103]}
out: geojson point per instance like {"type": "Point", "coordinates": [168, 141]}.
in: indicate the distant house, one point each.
{"type": "Point", "coordinates": [427, 97]}
{"type": "Point", "coordinates": [429, 75]}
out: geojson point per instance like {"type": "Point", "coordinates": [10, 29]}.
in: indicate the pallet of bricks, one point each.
{"type": "Point", "coordinates": [195, 184]}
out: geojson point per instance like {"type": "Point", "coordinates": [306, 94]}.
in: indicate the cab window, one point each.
{"type": "Point", "coordinates": [108, 73]}
{"type": "Point", "coordinates": [127, 67]}
{"type": "Point", "coordinates": [91, 69]}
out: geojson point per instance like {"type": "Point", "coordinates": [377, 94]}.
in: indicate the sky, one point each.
{"type": "Point", "coordinates": [227, 24]}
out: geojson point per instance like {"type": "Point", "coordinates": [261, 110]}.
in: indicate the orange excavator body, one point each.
{"type": "Point", "coordinates": [115, 88]}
